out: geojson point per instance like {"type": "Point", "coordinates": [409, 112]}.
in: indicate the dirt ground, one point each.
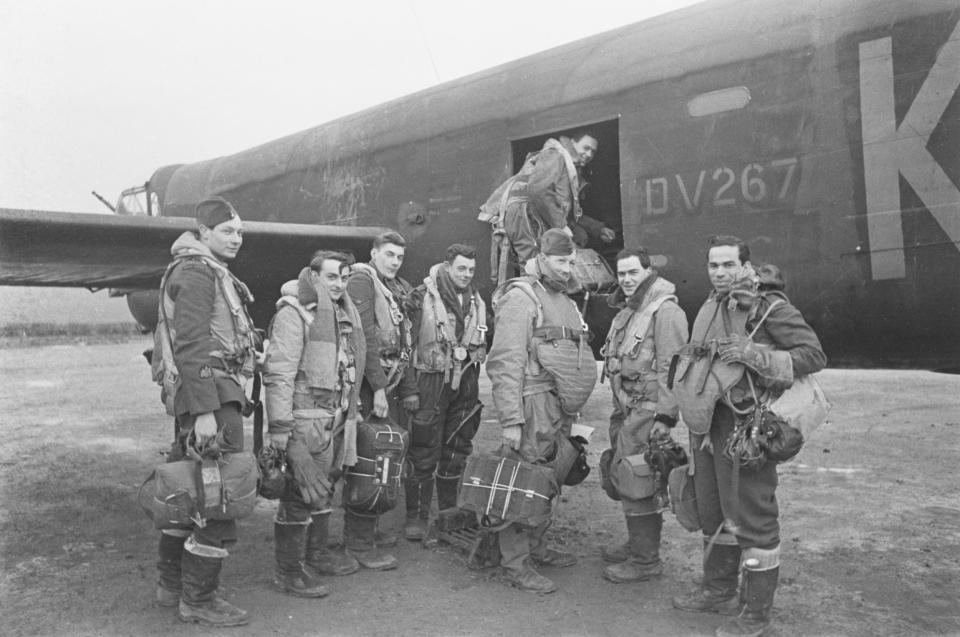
{"type": "Point", "coordinates": [870, 515]}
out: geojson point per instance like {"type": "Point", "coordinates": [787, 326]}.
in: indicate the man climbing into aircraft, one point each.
{"type": "Point", "coordinates": [388, 388]}
{"type": "Point", "coordinates": [214, 348]}
{"type": "Point", "coordinates": [761, 344]}
{"type": "Point", "coordinates": [449, 331]}
{"type": "Point", "coordinates": [547, 195]}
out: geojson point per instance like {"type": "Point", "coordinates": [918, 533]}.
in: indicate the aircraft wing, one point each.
{"type": "Point", "coordinates": [42, 248]}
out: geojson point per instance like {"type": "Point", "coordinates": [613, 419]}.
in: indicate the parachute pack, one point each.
{"type": "Point", "coordinates": [162, 366]}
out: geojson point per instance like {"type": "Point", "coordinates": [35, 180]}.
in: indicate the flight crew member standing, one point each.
{"type": "Point", "coordinates": [312, 365]}
{"type": "Point", "coordinates": [649, 329]}
{"type": "Point", "coordinates": [550, 197]}
{"type": "Point", "coordinates": [388, 388]}
{"type": "Point", "coordinates": [743, 524]}
{"type": "Point", "coordinates": [449, 330]}
{"type": "Point", "coordinates": [214, 347]}
{"type": "Point", "coordinates": [533, 312]}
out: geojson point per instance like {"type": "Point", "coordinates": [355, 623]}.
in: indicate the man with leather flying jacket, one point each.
{"type": "Point", "coordinates": [549, 197]}
{"type": "Point", "coordinates": [534, 315]}
{"type": "Point", "coordinates": [388, 388]}
{"type": "Point", "coordinates": [214, 348]}
{"type": "Point", "coordinates": [313, 362]}
{"type": "Point", "coordinates": [760, 342]}
{"type": "Point", "coordinates": [449, 326]}
{"type": "Point", "coordinates": [649, 329]}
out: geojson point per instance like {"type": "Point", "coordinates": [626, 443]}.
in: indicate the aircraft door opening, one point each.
{"type": "Point", "coordinates": [600, 185]}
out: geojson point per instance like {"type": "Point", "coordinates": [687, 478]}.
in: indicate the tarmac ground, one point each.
{"type": "Point", "coordinates": [870, 516]}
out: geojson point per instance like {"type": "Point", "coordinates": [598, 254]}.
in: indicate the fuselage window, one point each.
{"type": "Point", "coordinates": [726, 99]}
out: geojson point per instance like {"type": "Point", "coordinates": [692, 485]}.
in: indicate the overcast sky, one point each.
{"type": "Point", "coordinates": [97, 94]}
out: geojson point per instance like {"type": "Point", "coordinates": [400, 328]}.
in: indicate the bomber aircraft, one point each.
{"type": "Point", "coordinates": [825, 133]}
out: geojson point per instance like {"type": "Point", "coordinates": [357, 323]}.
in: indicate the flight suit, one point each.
{"type": "Point", "coordinates": [449, 346]}
{"type": "Point", "coordinates": [742, 526]}
{"type": "Point", "coordinates": [387, 333]}
{"type": "Point", "coordinates": [525, 393]}
{"type": "Point", "coordinates": [646, 333]}
{"type": "Point", "coordinates": [314, 420]}
{"type": "Point", "coordinates": [214, 350]}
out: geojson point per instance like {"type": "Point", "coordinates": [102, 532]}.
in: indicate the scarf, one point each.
{"type": "Point", "coordinates": [550, 279]}
{"type": "Point", "coordinates": [565, 148]}
{"type": "Point", "coordinates": [320, 351]}
{"type": "Point", "coordinates": [449, 293]}
{"type": "Point", "coordinates": [321, 365]}
{"type": "Point", "coordinates": [635, 301]}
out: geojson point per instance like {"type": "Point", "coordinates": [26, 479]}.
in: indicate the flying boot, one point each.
{"type": "Point", "coordinates": [447, 487]}
{"type": "Point", "coordinates": [717, 592]}
{"type": "Point", "coordinates": [622, 552]}
{"type": "Point", "coordinates": [358, 537]}
{"type": "Point", "coordinates": [199, 602]}
{"type": "Point", "coordinates": [319, 556]}
{"type": "Point", "coordinates": [542, 555]}
{"type": "Point", "coordinates": [290, 576]}
{"type": "Point", "coordinates": [419, 493]}
{"type": "Point", "coordinates": [170, 552]}
{"type": "Point", "coordinates": [761, 572]}
{"type": "Point", "coordinates": [515, 560]}
{"type": "Point", "coordinates": [645, 542]}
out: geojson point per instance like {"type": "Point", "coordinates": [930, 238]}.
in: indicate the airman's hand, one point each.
{"type": "Point", "coordinates": [205, 427]}
{"type": "Point", "coordinates": [739, 349]}
{"type": "Point", "coordinates": [412, 403]}
{"type": "Point", "coordinates": [607, 235]}
{"type": "Point", "coordinates": [512, 435]}
{"type": "Point", "coordinates": [380, 405]}
{"type": "Point", "coordinates": [279, 440]}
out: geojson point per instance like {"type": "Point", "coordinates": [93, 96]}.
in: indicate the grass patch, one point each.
{"type": "Point", "coordinates": [41, 334]}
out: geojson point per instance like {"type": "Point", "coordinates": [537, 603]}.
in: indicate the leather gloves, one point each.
{"type": "Point", "coordinates": [740, 349]}
{"type": "Point", "coordinates": [313, 486]}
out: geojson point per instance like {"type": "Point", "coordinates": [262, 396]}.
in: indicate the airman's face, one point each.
{"type": "Point", "coordinates": [387, 259]}
{"type": "Point", "coordinates": [333, 277]}
{"type": "Point", "coordinates": [586, 148]}
{"type": "Point", "coordinates": [723, 266]}
{"type": "Point", "coordinates": [461, 271]}
{"type": "Point", "coordinates": [223, 240]}
{"type": "Point", "coordinates": [630, 274]}
{"type": "Point", "coordinates": [560, 264]}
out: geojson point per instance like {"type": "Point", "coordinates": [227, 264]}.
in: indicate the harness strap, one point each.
{"type": "Point", "coordinates": [557, 333]}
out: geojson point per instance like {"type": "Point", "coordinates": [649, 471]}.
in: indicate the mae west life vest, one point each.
{"type": "Point", "coordinates": [629, 350]}
{"type": "Point", "coordinates": [230, 326]}
{"type": "Point", "coordinates": [438, 349]}
{"type": "Point", "coordinates": [392, 326]}
{"type": "Point", "coordinates": [303, 404]}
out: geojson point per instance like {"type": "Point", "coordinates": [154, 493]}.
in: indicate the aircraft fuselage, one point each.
{"type": "Point", "coordinates": [825, 134]}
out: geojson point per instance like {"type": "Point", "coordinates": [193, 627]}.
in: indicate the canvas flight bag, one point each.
{"type": "Point", "coordinates": [503, 490]}
{"type": "Point", "coordinates": [373, 484]}
{"type": "Point", "coordinates": [606, 477]}
{"type": "Point", "coordinates": [633, 478]}
{"type": "Point", "coordinates": [193, 491]}
{"type": "Point", "coordinates": [803, 404]}
{"type": "Point", "coordinates": [592, 271]}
